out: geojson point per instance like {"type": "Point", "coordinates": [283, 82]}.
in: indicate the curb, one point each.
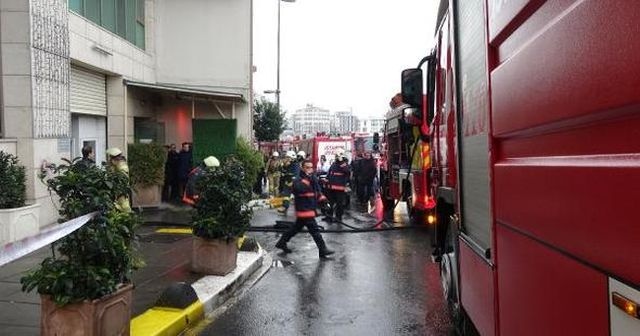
{"type": "Point", "coordinates": [212, 291]}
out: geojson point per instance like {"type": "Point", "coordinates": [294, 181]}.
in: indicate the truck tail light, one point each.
{"type": "Point", "coordinates": [431, 219]}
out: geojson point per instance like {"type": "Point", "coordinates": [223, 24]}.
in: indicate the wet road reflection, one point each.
{"type": "Point", "coordinates": [379, 283]}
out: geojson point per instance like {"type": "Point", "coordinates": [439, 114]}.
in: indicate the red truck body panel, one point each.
{"type": "Point", "coordinates": [562, 125]}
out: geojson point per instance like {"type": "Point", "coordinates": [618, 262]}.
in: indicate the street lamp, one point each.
{"type": "Point", "coordinates": [277, 92]}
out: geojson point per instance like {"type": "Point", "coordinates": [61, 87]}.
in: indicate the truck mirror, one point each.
{"type": "Point", "coordinates": [412, 87]}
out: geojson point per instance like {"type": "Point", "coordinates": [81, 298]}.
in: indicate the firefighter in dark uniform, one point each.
{"type": "Point", "coordinates": [307, 196]}
{"type": "Point", "coordinates": [338, 177]}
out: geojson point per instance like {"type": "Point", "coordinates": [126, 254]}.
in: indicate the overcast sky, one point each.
{"type": "Point", "coordinates": [340, 54]}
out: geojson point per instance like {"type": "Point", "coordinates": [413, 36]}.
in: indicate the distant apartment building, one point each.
{"type": "Point", "coordinates": [371, 125]}
{"type": "Point", "coordinates": [345, 122]}
{"type": "Point", "coordinates": [311, 120]}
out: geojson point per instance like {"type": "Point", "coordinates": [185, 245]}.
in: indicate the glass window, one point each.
{"type": "Point", "coordinates": [77, 6]}
{"type": "Point", "coordinates": [92, 10]}
{"type": "Point", "coordinates": [139, 35]}
{"type": "Point", "coordinates": [109, 15]}
{"type": "Point", "coordinates": [131, 20]}
{"type": "Point", "coordinates": [121, 22]}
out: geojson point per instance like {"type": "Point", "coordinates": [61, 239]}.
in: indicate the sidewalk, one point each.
{"type": "Point", "coordinates": [167, 258]}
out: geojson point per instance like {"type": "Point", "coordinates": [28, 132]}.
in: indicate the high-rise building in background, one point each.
{"type": "Point", "coordinates": [371, 125]}
{"type": "Point", "coordinates": [311, 120]}
{"type": "Point", "coordinates": [345, 122]}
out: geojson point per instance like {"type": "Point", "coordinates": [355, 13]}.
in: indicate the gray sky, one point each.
{"type": "Point", "coordinates": [340, 54]}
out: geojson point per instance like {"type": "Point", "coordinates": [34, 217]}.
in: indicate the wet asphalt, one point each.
{"type": "Point", "coordinates": [378, 283]}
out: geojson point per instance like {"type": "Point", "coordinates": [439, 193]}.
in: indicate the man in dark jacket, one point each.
{"type": "Point", "coordinates": [307, 196]}
{"type": "Point", "coordinates": [339, 176]}
{"type": "Point", "coordinates": [170, 189]}
{"type": "Point", "coordinates": [185, 163]}
{"type": "Point", "coordinates": [368, 172]}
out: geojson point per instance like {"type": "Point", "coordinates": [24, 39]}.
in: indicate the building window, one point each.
{"type": "Point", "coordinates": [122, 17]}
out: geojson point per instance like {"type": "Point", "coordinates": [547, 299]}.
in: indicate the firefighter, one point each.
{"type": "Point", "coordinates": [290, 169]}
{"type": "Point", "coordinates": [301, 156]}
{"type": "Point", "coordinates": [273, 173]}
{"type": "Point", "coordinates": [191, 194]}
{"type": "Point", "coordinates": [118, 163]}
{"type": "Point", "coordinates": [338, 180]}
{"type": "Point", "coordinates": [307, 196]}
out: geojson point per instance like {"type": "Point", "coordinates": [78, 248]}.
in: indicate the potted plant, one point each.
{"type": "Point", "coordinates": [146, 170]}
{"type": "Point", "coordinates": [221, 216]}
{"type": "Point", "coordinates": [17, 221]}
{"type": "Point", "coordinates": [85, 286]}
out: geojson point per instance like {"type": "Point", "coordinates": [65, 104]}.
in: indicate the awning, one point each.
{"type": "Point", "coordinates": [216, 95]}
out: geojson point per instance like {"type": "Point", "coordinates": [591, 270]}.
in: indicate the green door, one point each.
{"type": "Point", "coordinates": [215, 137]}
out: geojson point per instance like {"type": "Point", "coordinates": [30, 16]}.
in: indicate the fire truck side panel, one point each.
{"type": "Point", "coordinates": [543, 292]}
{"type": "Point", "coordinates": [569, 172]}
{"type": "Point", "coordinates": [477, 290]}
{"type": "Point", "coordinates": [473, 87]}
{"type": "Point", "coordinates": [565, 102]}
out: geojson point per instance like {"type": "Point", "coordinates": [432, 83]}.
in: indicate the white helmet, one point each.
{"type": "Point", "coordinates": [291, 154]}
{"type": "Point", "coordinates": [211, 161]}
{"type": "Point", "coordinates": [275, 154]}
{"type": "Point", "coordinates": [340, 153]}
{"type": "Point", "coordinates": [302, 154]}
{"type": "Point", "coordinates": [113, 151]}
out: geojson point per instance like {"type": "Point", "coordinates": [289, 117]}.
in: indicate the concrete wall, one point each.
{"type": "Point", "coordinates": [212, 52]}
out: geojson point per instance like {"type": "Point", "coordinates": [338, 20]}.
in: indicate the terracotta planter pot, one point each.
{"type": "Point", "coordinates": [214, 256]}
{"type": "Point", "coordinates": [110, 315]}
{"type": "Point", "coordinates": [147, 196]}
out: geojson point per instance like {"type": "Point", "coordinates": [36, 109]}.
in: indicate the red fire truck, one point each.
{"type": "Point", "coordinates": [325, 145]}
{"type": "Point", "coordinates": [532, 121]}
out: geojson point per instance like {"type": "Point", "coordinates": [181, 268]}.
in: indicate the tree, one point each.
{"type": "Point", "coordinates": [268, 120]}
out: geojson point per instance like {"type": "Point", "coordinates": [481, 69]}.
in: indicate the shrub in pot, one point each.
{"type": "Point", "coordinates": [251, 159]}
{"type": "Point", "coordinates": [16, 220]}
{"type": "Point", "coordinates": [146, 171]}
{"type": "Point", "coordinates": [89, 273]}
{"type": "Point", "coordinates": [221, 216]}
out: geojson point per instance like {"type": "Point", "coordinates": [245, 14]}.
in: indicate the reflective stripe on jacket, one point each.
{"type": "Point", "coordinates": [338, 175]}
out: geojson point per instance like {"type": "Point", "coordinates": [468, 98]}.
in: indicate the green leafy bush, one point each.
{"type": "Point", "coordinates": [251, 160]}
{"type": "Point", "coordinates": [12, 182]}
{"type": "Point", "coordinates": [221, 210]}
{"type": "Point", "coordinates": [94, 260]}
{"type": "Point", "coordinates": [146, 164]}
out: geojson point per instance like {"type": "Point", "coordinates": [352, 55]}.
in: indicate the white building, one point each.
{"type": "Point", "coordinates": [371, 125]}
{"type": "Point", "coordinates": [345, 122]}
{"type": "Point", "coordinates": [311, 120]}
{"type": "Point", "coordinates": [110, 72]}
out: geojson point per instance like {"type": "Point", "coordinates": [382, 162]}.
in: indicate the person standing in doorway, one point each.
{"type": "Point", "coordinates": [87, 157]}
{"type": "Point", "coordinates": [185, 162]}
{"type": "Point", "coordinates": [170, 190]}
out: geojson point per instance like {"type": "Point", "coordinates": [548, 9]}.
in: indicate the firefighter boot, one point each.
{"type": "Point", "coordinates": [282, 243]}
{"type": "Point", "coordinates": [323, 251]}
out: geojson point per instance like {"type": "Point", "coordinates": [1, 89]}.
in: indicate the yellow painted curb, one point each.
{"type": "Point", "coordinates": [161, 321]}
{"type": "Point", "coordinates": [176, 230]}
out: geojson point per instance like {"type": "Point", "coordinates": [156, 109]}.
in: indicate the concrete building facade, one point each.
{"type": "Point", "coordinates": [345, 122]}
{"type": "Point", "coordinates": [110, 72]}
{"type": "Point", "coordinates": [311, 120]}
